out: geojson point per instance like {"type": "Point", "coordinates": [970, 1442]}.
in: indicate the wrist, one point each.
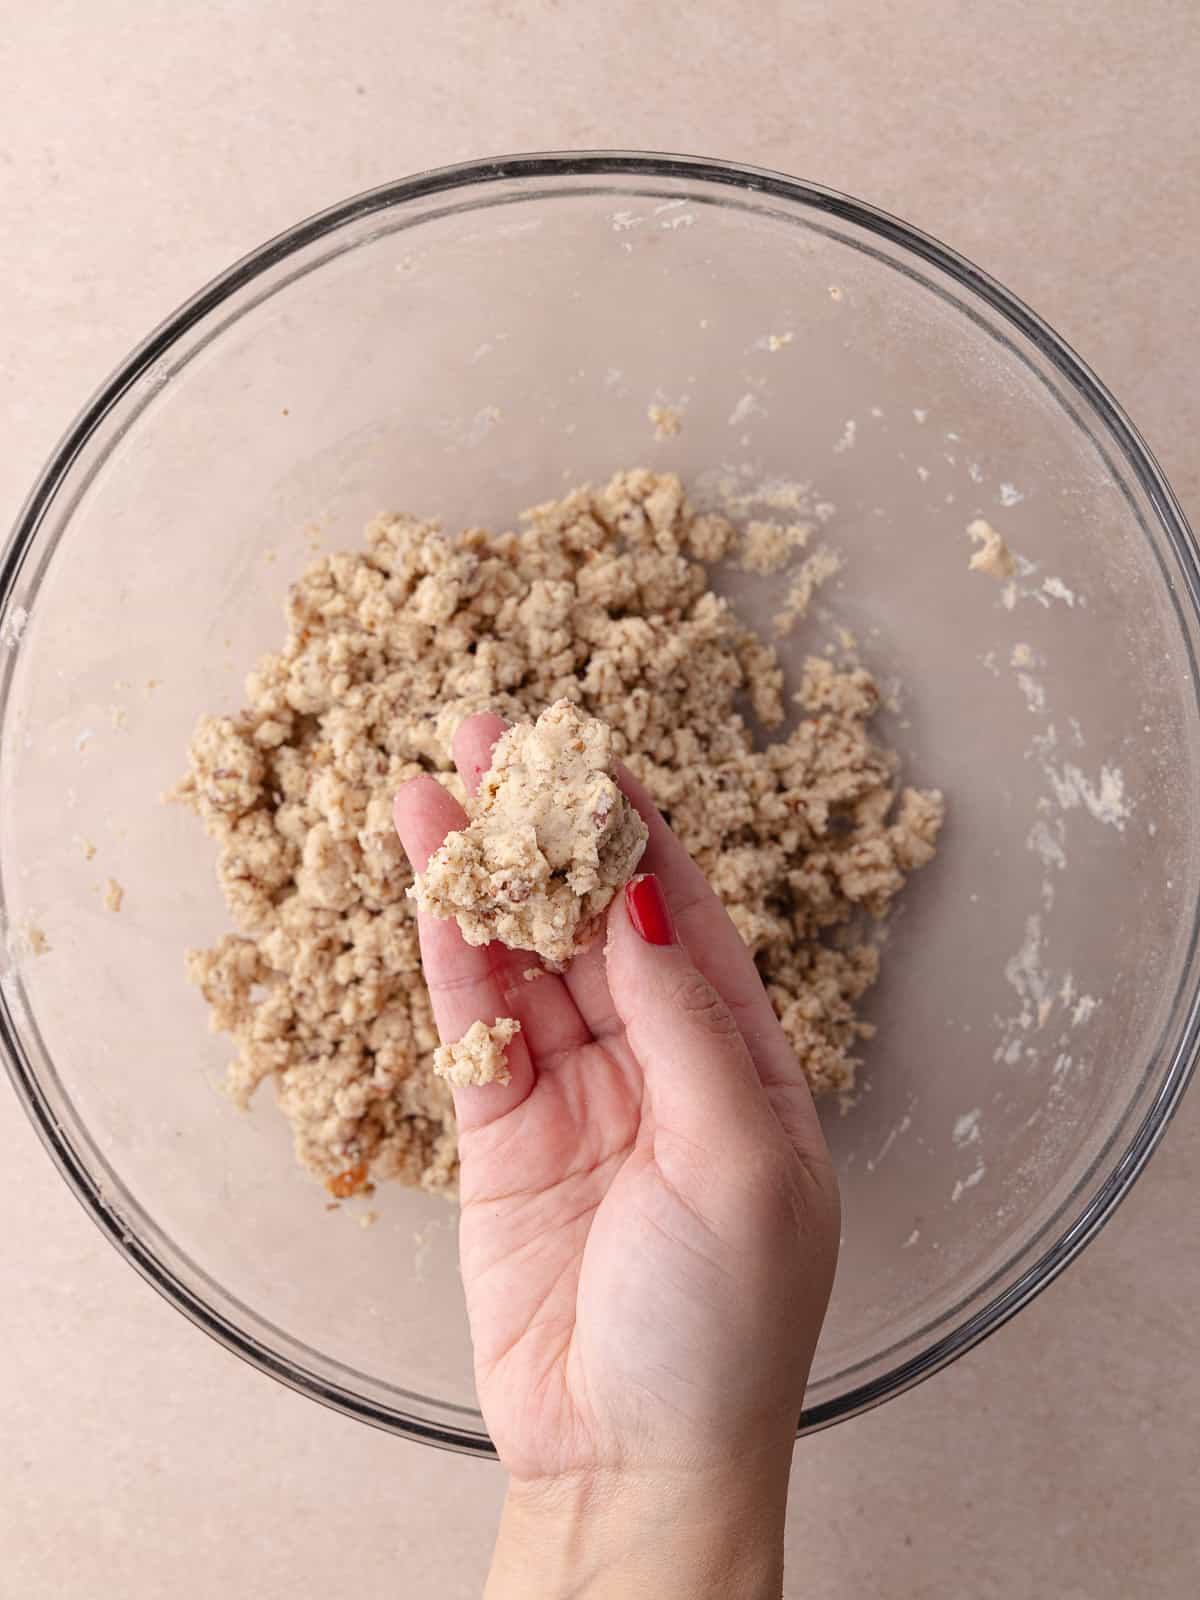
{"type": "Point", "coordinates": [663, 1532]}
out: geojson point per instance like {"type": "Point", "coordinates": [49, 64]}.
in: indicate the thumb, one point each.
{"type": "Point", "coordinates": [698, 1072]}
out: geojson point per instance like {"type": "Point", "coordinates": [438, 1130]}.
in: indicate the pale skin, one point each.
{"type": "Point", "coordinates": [648, 1237]}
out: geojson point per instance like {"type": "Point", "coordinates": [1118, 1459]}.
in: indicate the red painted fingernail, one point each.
{"type": "Point", "coordinates": [647, 907]}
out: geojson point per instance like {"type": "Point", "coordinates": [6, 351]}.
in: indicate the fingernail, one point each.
{"type": "Point", "coordinates": [647, 907]}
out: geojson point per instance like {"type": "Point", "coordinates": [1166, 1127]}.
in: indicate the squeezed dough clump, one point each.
{"type": "Point", "coordinates": [550, 841]}
{"type": "Point", "coordinates": [602, 599]}
{"type": "Point", "coordinates": [478, 1057]}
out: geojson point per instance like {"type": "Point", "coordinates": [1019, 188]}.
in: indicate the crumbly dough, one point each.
{"type": "Point", "coordinates": [478, 1057]}
{"type": "Point", "coordinates": [114, 895]}
{"type": "Point", "coordinates": [667, 421]}
{"type": "Point", "coordinates": [812, 573]}
{"type": "Point", "coordinates": [993, 556]}
{"type": "Point", "coordinates": [768, 546]}
{"type": "Point", "coordinates": [550, 841]}
{"type": "Point", "coordinates": [600, 598]}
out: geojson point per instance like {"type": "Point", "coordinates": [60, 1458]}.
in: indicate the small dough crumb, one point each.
{"type": "Point", "coordinates": [667, 421]}
{"type": "Point", "coordinates": [114, 895]}
{"type": "Point", "coordinates": [1057, 590]}
{"type": "Point", "coordinates": [532, 974]}
{"type": "Point", "coordinates": [88, 848]}
{"type": "Point", "coordinates": [767, 547]}
{"type": "Point", "coordinates": [779, 341]}
{"type": "Point", "coordinates": [550, 841]}
{"type": "Point", "coordinates": [819, 567]}
{"type": "Point", "coordinates": [993, 557]}
{"type": "Point", "coordinates": [27, 939]}
{"type": "Point", "coordinates": [354, 1180]}
{"type": "Point", "coordinates": [368, 1219]}
{"type": "Point", "coordinates": [478, 1057]}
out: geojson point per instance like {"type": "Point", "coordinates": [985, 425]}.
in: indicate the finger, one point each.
{"type": "Point", "coordinates": [721, 955]}
{"type": "Point", "coordinates": [698, 1072]}
{"type": "Point", "coordinates": [587, 983]}
{"type": "Point", "coordinates": [462, 980]}
{"type": "Point", "coordinates": [702, 920]}
{"type": "Point", "coordinates": [473, 741]}
{"type": "Point", "coordinates": [543, 1006]}
{"type": "Point", "coordinates": [716, 946]}
{"type": "Point", "coordinates": [696, 911]}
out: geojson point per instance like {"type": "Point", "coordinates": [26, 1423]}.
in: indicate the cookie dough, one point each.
{"type": "Point", "coordinates": [667, 421]}
{"type": "Point", "coordinates": [811, 574]}
{"type": "Point", "coordinates": [768, 546]}
{"type": "Point", "coordinates": [993, 556]}
{"type": "Point", "coordinates": [478, 1057]}
{"type": "Point", "coordinates": [601, 598]}
{"type": "Point", "coordinates": [550, 841]}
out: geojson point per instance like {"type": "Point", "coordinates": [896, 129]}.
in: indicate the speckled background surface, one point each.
{"type": "Point", "coordinates": [142, 147]}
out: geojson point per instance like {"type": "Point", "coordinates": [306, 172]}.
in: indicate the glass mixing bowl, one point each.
{"type": "Point", "coordinates": [469, 342]}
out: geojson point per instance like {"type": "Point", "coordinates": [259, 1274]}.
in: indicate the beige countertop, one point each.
{"type": "Point", "coordinates": [143, 145]}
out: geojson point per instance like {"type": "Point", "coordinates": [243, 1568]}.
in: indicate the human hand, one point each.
{"type": "Point", "coordinates": [648, 1234]}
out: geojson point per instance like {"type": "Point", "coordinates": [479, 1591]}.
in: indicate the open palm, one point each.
{"type": "Point", "coordinates": [649, 1218]}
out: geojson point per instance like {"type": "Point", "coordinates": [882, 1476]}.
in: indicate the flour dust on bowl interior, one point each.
{"type": "Point", "coordinates": [472, 342]}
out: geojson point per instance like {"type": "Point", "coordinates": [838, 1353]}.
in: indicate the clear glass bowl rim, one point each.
{"type": "Point", "coordinates": [1120, 435]}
